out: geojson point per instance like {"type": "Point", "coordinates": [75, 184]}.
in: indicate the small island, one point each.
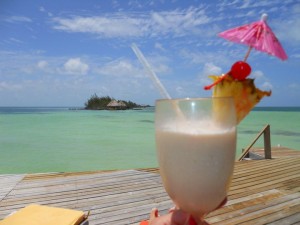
{"type": "Point", "coordinates": [107, 103]}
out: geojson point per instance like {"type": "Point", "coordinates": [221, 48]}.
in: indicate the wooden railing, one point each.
{"type": "Point", "coordinates": [267, 143]}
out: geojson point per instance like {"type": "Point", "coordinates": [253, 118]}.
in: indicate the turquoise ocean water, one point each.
{"type": "Point", "coordinates": [61, 140]}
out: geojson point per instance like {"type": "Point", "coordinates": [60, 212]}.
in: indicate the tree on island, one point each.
{"type": "Point", "coordinates": [96, 103]}
{"type": "Point", "coordinates": [100, 103]}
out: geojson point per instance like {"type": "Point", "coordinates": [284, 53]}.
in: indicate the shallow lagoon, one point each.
{"type": "Point", "coordinates": [59, 139]}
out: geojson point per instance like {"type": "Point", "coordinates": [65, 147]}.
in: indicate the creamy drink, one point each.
{"type": "Point", "coordinates": [196, 168]}
{"type": "Point", "coordinates": [196, 143]}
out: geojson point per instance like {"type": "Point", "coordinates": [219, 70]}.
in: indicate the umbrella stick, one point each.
{"type": "Point", "coordinates": [248, 53]}
{"type": "Point", "coordinates": [208, 87]}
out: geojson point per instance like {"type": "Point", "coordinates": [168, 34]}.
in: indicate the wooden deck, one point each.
{"type": "Point", "coordinates": [262, 192]}
{"type": "Point", "coordinates": [277, 152]}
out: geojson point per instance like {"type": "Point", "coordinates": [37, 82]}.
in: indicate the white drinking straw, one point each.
{"type": "Point", "coordinates": [151, 73]}
{"type": "Point", "coordinates": [155, 79]}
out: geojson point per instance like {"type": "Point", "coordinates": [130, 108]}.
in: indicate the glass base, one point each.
{"type": "Point", "coordinates": [192, 221]}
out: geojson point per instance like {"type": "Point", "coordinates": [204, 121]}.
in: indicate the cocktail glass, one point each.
{"type": "Point", "coordinates": [196, 144]}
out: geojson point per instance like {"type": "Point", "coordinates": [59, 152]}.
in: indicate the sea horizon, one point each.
{"type": "Point", "coordinates": [83, 107]}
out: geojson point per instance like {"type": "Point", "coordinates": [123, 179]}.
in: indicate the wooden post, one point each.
{"type": "Point", "coordinates": [248, 154]}
{"type": "Point", "coordinates": [267, 142]}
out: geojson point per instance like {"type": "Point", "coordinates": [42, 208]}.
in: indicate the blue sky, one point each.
{"type": "Point", "coordinates": [59, 53]}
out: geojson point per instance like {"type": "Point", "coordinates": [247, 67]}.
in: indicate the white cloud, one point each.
{"type": "Point", "coordinates": [257, 74]}
{"type": "Point", "coordinates": [76, 66]}
{"type": "Point", "coordinates": [287, 30]}
{"type": "Point", "coordinates": [296, 56]}
{"type": "Point", "coordinates": [15, 40]}
{"type": "Point", "coordinates": [208, 69]}
{"type": "Point", "coordinates": [294, 87]}
{"type": "Point", "coordinates": [120, 67]}
{"type": "Point", "coordinates": [42, 9]}
{"type": "Point", "coordinates": [247, 4]}
{"type": "Point", "coordinates": [42, 64]}
{"type": "Point", "coordinates": [175, 22]}
{"type": "Point", "coordinates": [266, 86]}
{"type": "Point", "coordinates": [17, 19]}
{"type": "Point", "coordinates": [261, 80]}
{"type": "Point", "coordinates": [202, 57]}
{"type": "Point", "coordinates": [159, 46]}
{"type": "Point", "coordinates": [10, 87]}
{"type": "Point", "coordinates": [211, 69]}
{"type": "Point", "coordinates": [178, 22]}
{"type": "Point", "coordinates": [116, 26]}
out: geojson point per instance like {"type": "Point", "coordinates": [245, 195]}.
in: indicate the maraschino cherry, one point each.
{"type": "Point", "coordinates": [239, 71]}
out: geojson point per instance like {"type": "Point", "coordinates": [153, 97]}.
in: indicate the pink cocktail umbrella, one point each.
{"type": "Point", "coordinates": [256, 35]}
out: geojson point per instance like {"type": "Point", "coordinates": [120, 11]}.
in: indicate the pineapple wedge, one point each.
{"type": "Point", "coordinates": [244, 92]}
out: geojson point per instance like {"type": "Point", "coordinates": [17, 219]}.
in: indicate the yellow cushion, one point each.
{"type": "Point", "coordinates": [44, 215]}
